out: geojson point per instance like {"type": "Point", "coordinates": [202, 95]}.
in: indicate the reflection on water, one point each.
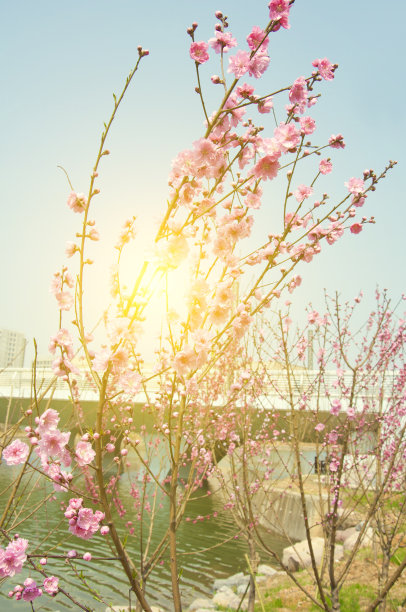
{"type": "Point", "coordinates": [207, 525]}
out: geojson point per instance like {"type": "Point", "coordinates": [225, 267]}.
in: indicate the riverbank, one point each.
{"type": "Point", "coordinates": [278, 592]}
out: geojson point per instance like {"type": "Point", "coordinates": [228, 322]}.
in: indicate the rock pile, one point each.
{"type": "Point", "coordinates": [228, 592]}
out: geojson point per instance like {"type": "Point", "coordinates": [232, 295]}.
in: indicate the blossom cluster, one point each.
{"type": "Point", "coordinates": [50, 445]}
{"type": "Point", "coordinates": [13, 557]}
{"type": "Point", "coordinates": [83, 522]}
{"type": "Point", "coordinates": [16, 452]}
{"type": "Point", "coordinates": [30, 590]}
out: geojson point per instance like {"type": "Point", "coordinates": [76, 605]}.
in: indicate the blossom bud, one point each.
{"type": "Point", "coordinates": [87, 556]}
{"type": "Point", "coordinates": [72, 554]}
{"type": "Point", "coordinates": [43, 561]}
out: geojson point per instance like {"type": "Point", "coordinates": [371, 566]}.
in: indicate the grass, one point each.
{"type": "Point", "coordinates": [354, 597]}
{"type": "Point", "coordinates": [399, 556]}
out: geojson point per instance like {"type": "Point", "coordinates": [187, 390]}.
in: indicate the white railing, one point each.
{"type": "Point", "coordinates": [18, 383]}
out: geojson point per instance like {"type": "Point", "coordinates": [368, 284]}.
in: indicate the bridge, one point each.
{"type": "Point", "coordinates": [18, 383]}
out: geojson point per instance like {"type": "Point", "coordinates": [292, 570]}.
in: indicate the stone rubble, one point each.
{"type": "Point", "coordinates": [228, 592]}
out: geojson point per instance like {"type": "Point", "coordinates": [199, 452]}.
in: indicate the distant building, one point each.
{"type": "Point", "coordinates": [44, 363]}
{"type": "Point", "coordinates": [12, 349]}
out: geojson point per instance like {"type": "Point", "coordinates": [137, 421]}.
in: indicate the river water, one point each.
{"type": "Point", "coordinates": [208, 525]}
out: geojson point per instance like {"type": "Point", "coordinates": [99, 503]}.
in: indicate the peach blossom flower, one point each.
{"type": "Point", "coordinates": [16, 452]}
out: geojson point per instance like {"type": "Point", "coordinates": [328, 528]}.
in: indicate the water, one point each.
{"type": "Point", "coordinates": [198, 566]}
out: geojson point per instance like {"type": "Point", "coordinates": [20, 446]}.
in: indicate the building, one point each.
{"type": "Point", "coordinates": [12, 349]}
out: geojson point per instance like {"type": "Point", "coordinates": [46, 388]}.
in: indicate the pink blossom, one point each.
{"type": "Point", "coordinates": [279, 10]}
{"type": "Point", "coordinates": [110, 448]}
{"type": "Point", "coordinates": [223, 41]}
{"type": "Point", "coordinates": [184, 361]}
{"type": "Point", "coordinates": [224, 295]}
{"type": "Point", "coordinates": [65, 300]}
{"type": "Point", "coordinates": [239, 63]}
{"type": "Point", "coordinates": [336, 141]}
{"type": "Point", "coordinates": [198, 52]}
{"type": "Point", "coordinates": [302, 192]}
{"type": "Point", "coordinates": [335, 407]}
{"type": "Point", "coordinates": [266, 168]}
{"type": "Point", "coordinates": [219, 314]}
{"type": "Point", "coordinates": [356, 228]}
{"type": "Point", "coordinates": [335, 231]}
{"type": "Point", "coordinates": [357, 200]}
{"type": "Point", "coordinates": [13, 557]}
{"type": "Point", "coordinates": [16, 452]}
{"type": "Point", "coordinates": [56, 283]}
{"type": "Point", "coordinates": [204, 151]}
{"type": "Point", "coordinates": [253, 200]}
{"type": "Point", "coordinates": [77, 202]}
{"type": "Point", "coordinates": [257, 37]}
{"type": "Point", "coordinates": [287, 136]}
{"type": "Point", "coordinates": [258, 64]}
{"type": "Point", "coordinates": [31, 591]}
{"type": "Point", "coordinates": [104, 530]}
{"type": "Point", "coordinates": [351, 413]}
{"type": "Point", "coordinates": [51, 585]}
{"type": "Point", "coordinates": [334, 465]}
{"type": "Point", "coordinates": [325, 166]}
{"type": "Point", "coordinates": [84, 453]}
{"type": "Point", "coordinates": [62, 366]}
{"type": "Point", "coordinates": [71, 249]}
{"type": "Point", "coordinates": [298, 93]}
{"type": "Point", "coordinates": [87, 556]}
{"type": "Point", "coordinates": [355, 185]}
{"type": "Point", "coordinates": [176, 250]}
{"type": "Point", "coordinates": [264, 106]}
{"type": "Point", "coordinates": [72, 554]}
{"type": "Point", "coordinates": [313, 316]}
{"type": "Point", "coordinates": [319, 427]}
{"type": "Point", "coordinates": [82, 521]}
{"type": "Point", "coordinates": [308, 125]}
{"type": "Point", "coordinates": [93, 234]}
{"type": "Point", "coordinates": [325, 68]}
{"type": "Point", "coordinates": [64, 340]}
{"type": "Point", "coordinates": [245, 90]}
{"type": "Point", "coordinates": [53, 442]}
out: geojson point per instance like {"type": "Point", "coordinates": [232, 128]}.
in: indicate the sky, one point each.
{"type": "Point", "coordinates": [60, 64]}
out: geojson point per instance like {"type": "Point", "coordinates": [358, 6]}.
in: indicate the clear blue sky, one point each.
{"type": "Point", "coordinates": [60, 64]}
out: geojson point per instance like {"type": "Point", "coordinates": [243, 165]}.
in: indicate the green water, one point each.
{"type": "Point", "coordinates": [198, 567]}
